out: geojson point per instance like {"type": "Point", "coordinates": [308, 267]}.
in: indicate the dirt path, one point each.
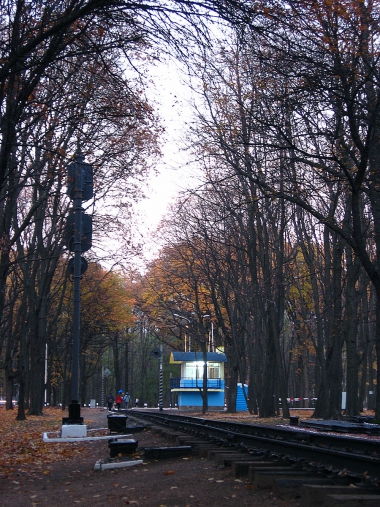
{"type": "Point", "coordinates": [174, 482]}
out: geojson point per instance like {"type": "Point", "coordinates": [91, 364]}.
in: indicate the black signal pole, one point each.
{"type": "Point", "coordinates": [74, 407]}
{"type": "Point", "coordinates": [79, 189]}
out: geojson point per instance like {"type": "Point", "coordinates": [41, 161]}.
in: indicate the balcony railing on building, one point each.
{"type": "Point", "coordinates": [194, 383]}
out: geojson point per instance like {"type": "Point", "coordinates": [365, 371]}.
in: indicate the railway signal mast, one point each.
{"type": "Point", "coordinates": [78, 239]}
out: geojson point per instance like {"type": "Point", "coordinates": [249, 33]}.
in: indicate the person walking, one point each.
{"type": "Point", "coordinates": [136, 402]}
{"type": "Point", "coordinates": [110, 401]}
{"type": "Point", "coordinates": [119, 399]}
{"type": "Point", "coordinates": [127, 399]}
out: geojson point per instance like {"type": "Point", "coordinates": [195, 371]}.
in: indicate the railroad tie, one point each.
{"type": "Point", "coordinates": [226, 458]}
{"type": "Point", "coordinates": [184, 439]}
{"type": "Point", "coordinates": [266, 465]}
{"type": "Point", "coordinates": [211, 455]}
{"type": "Point", "coordinates": [172, 436]}
{"type": "Point", "coordinates": [352, 501]}
{"type": "Point", "coordinates": [314, 495]}
{"type": "Point", "coordinates": [266, 478]}
{"type": "Point", "coordinates": [205, 449]}
{"type": "Point", "coordinates": [193, 441]}
{"type": "Point", "coordinates": [289, 488]}
{"type": "Point", "coordinates": [240, 467]}
{"type": "Point", "coordinates": [157, 430]}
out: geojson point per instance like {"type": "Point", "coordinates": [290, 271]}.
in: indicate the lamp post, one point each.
{"type": "Point", "coordinates": [190, 322]}
{"type": "Point", "coordinates": [205, 373]}
{"type": "Point", "coordinates": [211, 338]}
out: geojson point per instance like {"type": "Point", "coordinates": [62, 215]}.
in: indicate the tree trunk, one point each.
{"type": "Point", "coordinates": [126, 366]}
{"type": "Point", "coordinates": [9, 382]}
{"type": "Point", "coordinates": [116, 359]}
{"type": "Point", "coordinates": [266, 407]}
{"type": "Point", "coordinates": [252, 385]}
{"type": "Point", "coordinates": [377, 402]}
{"type": "Point", "coordinates": [205, 378]}
{"type": "Point", "coordinates": [22, 374]}
{"type": "Point", "coordinates": [83, 378]}
{"type": "Point", "coordinates": [231, 385]}
{"type": "Point", "coordinates": [351, 325]}
{"type": "Point", "coordinates": [37, 361]}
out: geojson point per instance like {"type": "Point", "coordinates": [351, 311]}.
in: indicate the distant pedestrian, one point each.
{"type": "Point", "coordinates": [136, 402]}
{"type": "Point", "coordinates": [119, 400]}
{"type": "Point", "coordinates": [127, 399]}
{"type": "Point", "coordinates": [110, 401]}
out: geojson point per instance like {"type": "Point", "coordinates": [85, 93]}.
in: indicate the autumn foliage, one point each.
{"type": "Point", "coordinates": [22, 448]}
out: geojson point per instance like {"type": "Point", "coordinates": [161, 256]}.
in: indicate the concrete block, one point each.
{"type": "Point", "coordinates": [101, 465]}
{"type": "Point", "coordinates": [117, 422]}
{"type": "Point", "coordinates": [167, 452]}
{"type": "Point", "coordinates": [73, 430]}
{"type": "Point", "coordinates": [122, 447]}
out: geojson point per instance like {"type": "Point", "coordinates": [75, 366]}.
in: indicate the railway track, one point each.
{"type": "Point", "coordinates": [313, 466]}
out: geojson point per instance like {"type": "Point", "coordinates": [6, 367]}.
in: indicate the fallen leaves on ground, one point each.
{"type": "Point", "coordinates": [22, 448]}
{"type": "Point", "coordinates": [246, 417]}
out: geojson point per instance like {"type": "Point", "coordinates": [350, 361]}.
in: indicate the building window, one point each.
{"type": "Point", "coordinates": [195, 370]}
{"type": "Point", "coordinates": [213, 370]}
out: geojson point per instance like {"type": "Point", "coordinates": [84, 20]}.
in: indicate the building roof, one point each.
{"type": "Point", "coordinates": [182, 357]}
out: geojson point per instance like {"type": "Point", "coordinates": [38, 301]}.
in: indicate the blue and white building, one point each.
{"type": "Point", "coordinates": [187, 388]}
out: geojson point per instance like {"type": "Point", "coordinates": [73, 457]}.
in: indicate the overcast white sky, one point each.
{"type": "Point", "coordinates": [169, 95]}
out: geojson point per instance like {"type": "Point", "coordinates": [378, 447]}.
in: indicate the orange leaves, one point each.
{"type": "Point", "coordinates": [22, 448]}
{"type": "Point", "coordinates": [106, 299]}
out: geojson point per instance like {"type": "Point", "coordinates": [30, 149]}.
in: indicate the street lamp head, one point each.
{"type": "Point", "coordinates": [181, 317]}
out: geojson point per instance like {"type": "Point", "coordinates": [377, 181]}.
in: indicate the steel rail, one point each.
{"type": "Point", "coordinates": [355, 455]}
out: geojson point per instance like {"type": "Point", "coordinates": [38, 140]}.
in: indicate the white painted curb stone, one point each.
{"type": "Point", "coordinates": [121, 464]}
{"type": "Point", "coordinates": [46, 438]}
